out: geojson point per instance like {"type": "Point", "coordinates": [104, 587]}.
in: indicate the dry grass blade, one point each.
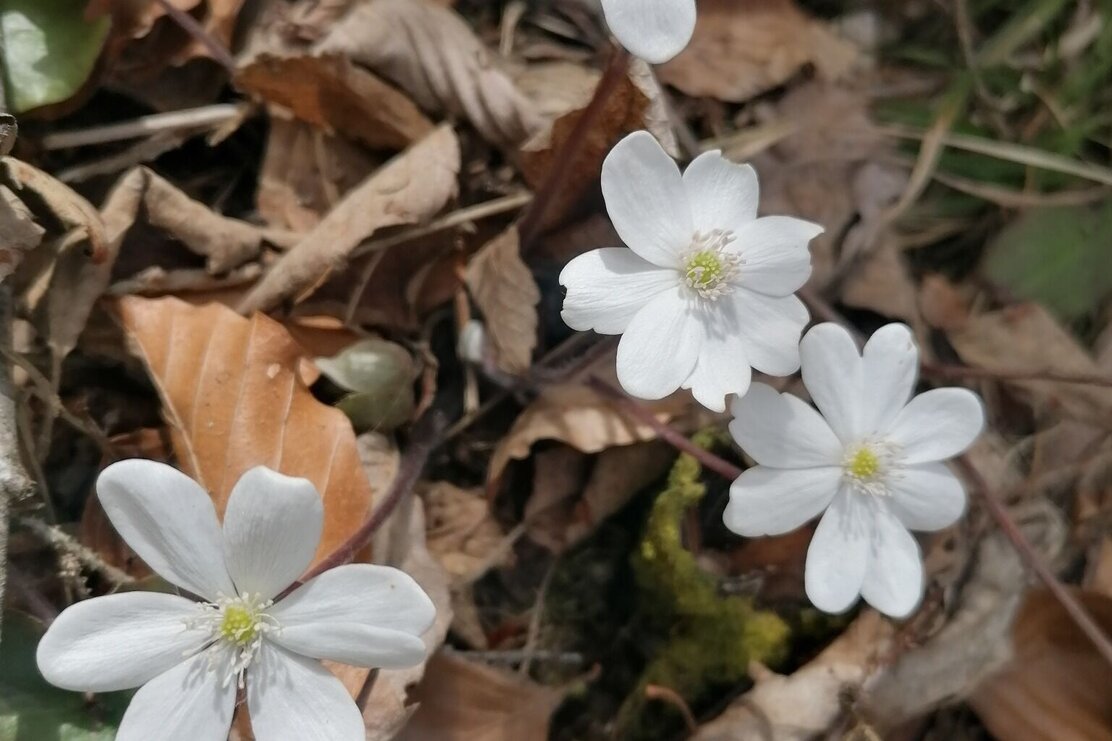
{"type": "Point", "coordinates": [233, 397]}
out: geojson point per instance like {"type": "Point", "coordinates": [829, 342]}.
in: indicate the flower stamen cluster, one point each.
{"type": "Point", "coordinates": [869, 465]}
{"type": "Point", "coordinates": [708, 266]}
{"type": "Point", "coordinates": [239, 624]}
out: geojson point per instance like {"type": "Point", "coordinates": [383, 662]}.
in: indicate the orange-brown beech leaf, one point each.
{"type": "Point", "coordinates": [1056, 687]}
{"type": "Point", "coordinates": [233, 398]}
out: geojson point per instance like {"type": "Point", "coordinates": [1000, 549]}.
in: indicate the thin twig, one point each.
{"type": "Point", "coordinates": [536, 620]}
{"type": "Point", "coordinates": [64, 543]}
{"type": "Point", "coordinates": [568, 152]}
{"type": "Point", "coordinates": [639, 412]}
{"type": "Point", "coordinates": [219, 53]}
{"type": "Point", "coordinates": [942, 370]}
{"type": "Point", "coordinates": [203, 117]}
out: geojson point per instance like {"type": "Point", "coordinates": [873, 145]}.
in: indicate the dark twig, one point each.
{"type": "Point", "coordinates": [568, 152]}
{"type": "Point", "coordinates": [670, 435]}
{"type": "Point", "coordinates": [189, 24]}
{"type": "Point", "coordinates": [941, 370]}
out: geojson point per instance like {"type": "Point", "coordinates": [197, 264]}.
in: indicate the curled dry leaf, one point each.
{"type": "Point", "coordinates": [462, 533]}
{"type": "Point", "coordinates": [1026, 337]}
{"type": "Point", "coordinates": [741, 49]}
{"type": "Point", "coordinates": [507, 294]}
{"type": "Point", "coordinates": [410, 188]}
{"type": "Point", "coordinates": [332, 93]}
{"type": "Point", "coordinates": [223, 242]}
{"type": "Point", "coordinates": [18, 231]}
{"type": "Point", "coordinates": [48, 197]}
{"type": "Point", "coordinates": [574, 414]}
{"type": "Point", "coordinates": [433, 55]}
{"type": "Point", "coordinates": [807, 703]}
{"type": "Point", "coordinates": [464, 701]}
{"type": "Point", "coordinates": [1056, 686]}
{"type": "Point", "coordinates": [233, 398]}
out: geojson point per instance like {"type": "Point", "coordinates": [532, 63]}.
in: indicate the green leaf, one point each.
{"type": "Point", "coordinates": [32, 710]}
{"type": "Point", "coordinates": [49, 50]}
{"type": "Point", "coordinates": [1057, 256]}
{"type": "Point", "coordinates": [379, 378]}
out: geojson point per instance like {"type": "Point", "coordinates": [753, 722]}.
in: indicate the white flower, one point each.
{"type": "Point", "coordinates": [705, 290]}
{"type": "Point", "coordinates": [188, 657]}
{"type": "Point", "coordinates": [654, 30]}
{"type": "Point", "coordinates": [871, 460]}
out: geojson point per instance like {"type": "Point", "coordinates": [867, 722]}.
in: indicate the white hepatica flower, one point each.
{"type": "Point", "coordinates": [705, 291]}
{"type": "Point", "coordinates": [654, 30]}
{"type": "Point", "coordinates": [189, 658]}
{"type": "Point", "coordinates": [871, 460]}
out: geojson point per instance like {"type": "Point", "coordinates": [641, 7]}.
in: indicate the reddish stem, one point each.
{"type": "Point", "coordinates": [941, 370]}
{"type": "Point", "coordinates": [220, 54]}
{"type": "Point", "coordinates": [568, 152]}
{"type": "Point", "coordinates": [670, 435]}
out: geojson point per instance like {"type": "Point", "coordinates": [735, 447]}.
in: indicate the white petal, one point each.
{"type": "Point", "coordinates": [938, 424]}
{"type": "Point", "coordinates": [117, 642]}
{"type": "Point", "coordinates": [654, 30]}
{"type": "Point", "coordinates": [646, 200]}
{"type": "Point", "coordinates": [772, 501]}
{"type": "Point", "coordinates": [185, 703]}
{"type": "Point", "coordinates": [777, 261]}
{"type": "Point", "coordinates": [927, 496]}
{"type": "Point", "coordinates": [833, 375]}
{"type": "Point", "coordinates": [890, 365]}
{"type": "Point", "coordinates": [606, 287]}
{"type": "Point", "coordinates": [378, 596]}
{"type": "Point", "coordinates": [722, 194]}
{"type": "Point", "coordinates": [771, 328]}
{"type": "Point", "coordinates": [783, 431]}
{"type": "Point", "coordinates": [894, 578]}
{"type": "Point", "coordinates": [723, 364]}
{"type": "Point", "coordinates": [838, 555]}
{"type": "Point", "coordinates": [353, 644]}
{"type": "Point", "coordinates": [272, 526]}
{"type": "Point", "coordinates": [291, 697]}
{"type": "Point", "coordinates": [660, 346]}
{"type": "Point", "coordinates": [169, 521]}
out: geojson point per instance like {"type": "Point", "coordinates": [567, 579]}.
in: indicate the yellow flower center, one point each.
{"type": "Point", "coordinates": [708, 265]}
{"type": "Point", "coordinates": [239, 625]}
{"type": "Point", "coordinates": [863, 464]}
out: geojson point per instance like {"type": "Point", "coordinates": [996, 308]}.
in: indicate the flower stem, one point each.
{"type": "Point", "coordinates": [427, 434]}
{"type": "Point", "coordinates": [567, 154]}
{"type": "Point", "coordinates": [639, 412]}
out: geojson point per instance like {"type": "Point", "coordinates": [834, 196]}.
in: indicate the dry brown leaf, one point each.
{"type": "Point", "coordinates": [305, 173]}
{"type": "Point", "coordinates": [76, 216]}
{"type": "Point", "coordinates": [410, 188]}
{"type": "Point", "coordinates": [618, 474]}
{"type": "Point", "coordinates": [433, 55]}
{"type": "Point", "coordinates": [223, 242]}
{"type": "Point", "coordinates": [136, 19]}
{"type": "Point", "coordinates": [1057, 686]}
{"type": "Point", "coordinates": [882, 283]}
{"type": "Point", "coordinates": [635, 104]}
{"type": "Point", "coordinates": [1026, 337]}
{"type": "Point", "coordinates": [334, 94]}
{"type": "Point", "coordinates": [18, 231]}
{"type": "Point", "coordinates": [233, 398]}
{"type": "Point", "coordinates": [462, 533]}
{"type": "Point", "coordinates": [572, 413]}
{"type": "Point", "coordinates": [506, 293]}
{"type": "Point", "coordinates": [741, 49]}
{"type": "Point", "coordinates": [558, 474]}
{"type": "Point", "coordinates": [806, 703]}
{"type": "Point", "coordinates": [464, 701]}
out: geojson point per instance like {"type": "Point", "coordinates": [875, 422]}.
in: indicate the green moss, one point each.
{"type": "Point", "coordinates": [708, 639]}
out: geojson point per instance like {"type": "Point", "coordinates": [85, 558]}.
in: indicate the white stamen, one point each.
{"type": "Point", "coordinates": [708, 266]}
{"type": "Point", "coordinates": [238, 624]}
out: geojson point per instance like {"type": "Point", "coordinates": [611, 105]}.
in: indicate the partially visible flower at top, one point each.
{"type": "Point", "coordinates": [654, 30]}
{"type": "Point", "coordinates": [705, 291]}
{"type": "Point", "coordinates": [189, 658]}
{"type": "Point", "coordinates": [871, 460]}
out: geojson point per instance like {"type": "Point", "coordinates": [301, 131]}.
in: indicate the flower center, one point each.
{"type": "Point", "coordinates": [236, 625]}
{"type": "Point", "coordinates": [708, 266]}
{"type": "Point", "coordinates": [870, 465]}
